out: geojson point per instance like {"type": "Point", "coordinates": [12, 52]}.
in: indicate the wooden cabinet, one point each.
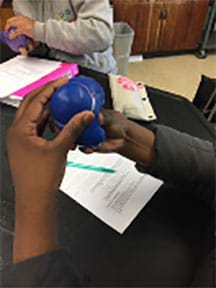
{"type": "Point", "coordinates": [6, 12]}
{"type": "Point", "coordinates": [163, 25]}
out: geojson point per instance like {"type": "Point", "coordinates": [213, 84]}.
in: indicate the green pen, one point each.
{"type": "Point", "coordinates": [90, 167]}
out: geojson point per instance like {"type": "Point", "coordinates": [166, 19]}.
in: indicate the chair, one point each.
{"type": "Point", "coordinates": [209, 110]}
{"type": "Point", "coordinates": [205, 98]}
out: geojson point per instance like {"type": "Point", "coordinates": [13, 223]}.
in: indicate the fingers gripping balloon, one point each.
{"type": "Point", "coordinates": [15, 44]}
{"type": "Point", "coordinates": [80, 94]}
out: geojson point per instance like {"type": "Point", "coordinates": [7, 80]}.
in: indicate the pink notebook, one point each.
{"type": "Point", "coordinates": [65, 69]}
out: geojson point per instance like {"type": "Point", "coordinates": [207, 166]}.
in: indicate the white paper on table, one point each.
{"type": "Point", "coordinates": [21, 71]}
{"type": "Point", "coordinates": [115, 198]}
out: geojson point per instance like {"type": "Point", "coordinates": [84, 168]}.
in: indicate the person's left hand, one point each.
{"type": "Point", "coordinates": [38, 165]}
{"type": "Point", "coordinates": [125, 137]}
{"type": "Point", "coordinates": [23, 26]}
{"type": "Point", "coordinates": [31, 45]}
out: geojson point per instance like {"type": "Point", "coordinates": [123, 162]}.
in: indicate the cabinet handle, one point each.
{"type": "Point", "coordinates": [161, 15]}
{"type": "Point", "coordinates": [165, 13]}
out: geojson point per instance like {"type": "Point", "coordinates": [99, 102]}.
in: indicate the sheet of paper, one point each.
{"type": "Point", "coordinates": [20, 71]}
{"type": "Point", "coordinates": [115, 198]}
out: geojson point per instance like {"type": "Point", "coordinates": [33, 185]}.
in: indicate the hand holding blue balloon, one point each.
{"type": "Point", "coordinates": [80, 94]}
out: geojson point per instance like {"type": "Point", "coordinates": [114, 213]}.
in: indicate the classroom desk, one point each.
{"type": "Point", "coordinates": [163, 245]}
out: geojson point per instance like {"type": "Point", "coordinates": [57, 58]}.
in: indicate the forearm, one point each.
{"type": "Point", "coordinates": [78, 37]}
{"type": "Point", "coordinates": [184, 160]}
{"type": "Point", "coordinates": [36, 230]}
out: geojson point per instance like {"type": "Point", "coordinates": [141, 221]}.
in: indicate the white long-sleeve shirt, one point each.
{"type": "Point", "coordinates": [79, 31]}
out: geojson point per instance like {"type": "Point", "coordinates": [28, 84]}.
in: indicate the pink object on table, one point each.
{"type": "Point", "coordinates": [65, 69]}
{"type": "Point", "coordinates": [127, 83]}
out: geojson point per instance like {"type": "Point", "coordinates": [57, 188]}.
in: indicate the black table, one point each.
{"type": "Point", "coordinates": [164, 243]}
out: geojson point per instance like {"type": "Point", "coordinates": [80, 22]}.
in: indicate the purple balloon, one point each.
{"type": "Point", "coordinates": [20, 41]}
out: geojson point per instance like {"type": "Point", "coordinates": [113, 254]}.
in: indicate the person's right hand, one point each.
{"type": "Point", "coordinates": [37, 167]}
{"type": "Point", "coordinates": [126, 138]}
{"type": "Point", "coordinates": [23, 26]}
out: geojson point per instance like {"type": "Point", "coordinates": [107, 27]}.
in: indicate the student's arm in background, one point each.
{"type": "Point", "coordinates": [92, 31]}
{"type": "Point", "coordinates": [23, 21]}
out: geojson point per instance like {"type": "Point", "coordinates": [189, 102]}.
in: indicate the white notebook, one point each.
{"type": "Point", "coordinates": [21, 71]}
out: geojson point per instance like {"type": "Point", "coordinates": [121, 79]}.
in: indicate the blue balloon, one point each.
{"type": "Point", "coordinates": [80, 94]}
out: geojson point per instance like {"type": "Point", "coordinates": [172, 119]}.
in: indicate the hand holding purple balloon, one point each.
{"type": "Point", "coordinates": [20, 41]}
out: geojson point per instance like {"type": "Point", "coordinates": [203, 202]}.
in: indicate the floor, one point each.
{"type": "Point", "coordinates": [178, 74]}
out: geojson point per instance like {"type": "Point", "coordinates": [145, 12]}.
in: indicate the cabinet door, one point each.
{"type": "Point", "coordinates": [199, 12]}
{"type": "Point", "coordinates": [5, 13]}
{"type": "Point", "coordinates": [175, 23]}
{"type": "Point", "coordinates": [137, 14]}
{"type": "Point", "coordinates": [182, 24]}
{"type": "Point", "coordinates": [163, 25]}
{"type": "Point", "coordinates": [157, 14]}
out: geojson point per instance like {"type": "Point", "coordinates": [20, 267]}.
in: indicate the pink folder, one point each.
{"type": "Point", "coordinates": [65, 69]}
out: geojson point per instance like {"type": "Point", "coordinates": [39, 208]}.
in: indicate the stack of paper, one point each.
{"type": "Point", "coordinates": [21, 75]}
{"type": "Point", "coordinates": [110, 187]}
